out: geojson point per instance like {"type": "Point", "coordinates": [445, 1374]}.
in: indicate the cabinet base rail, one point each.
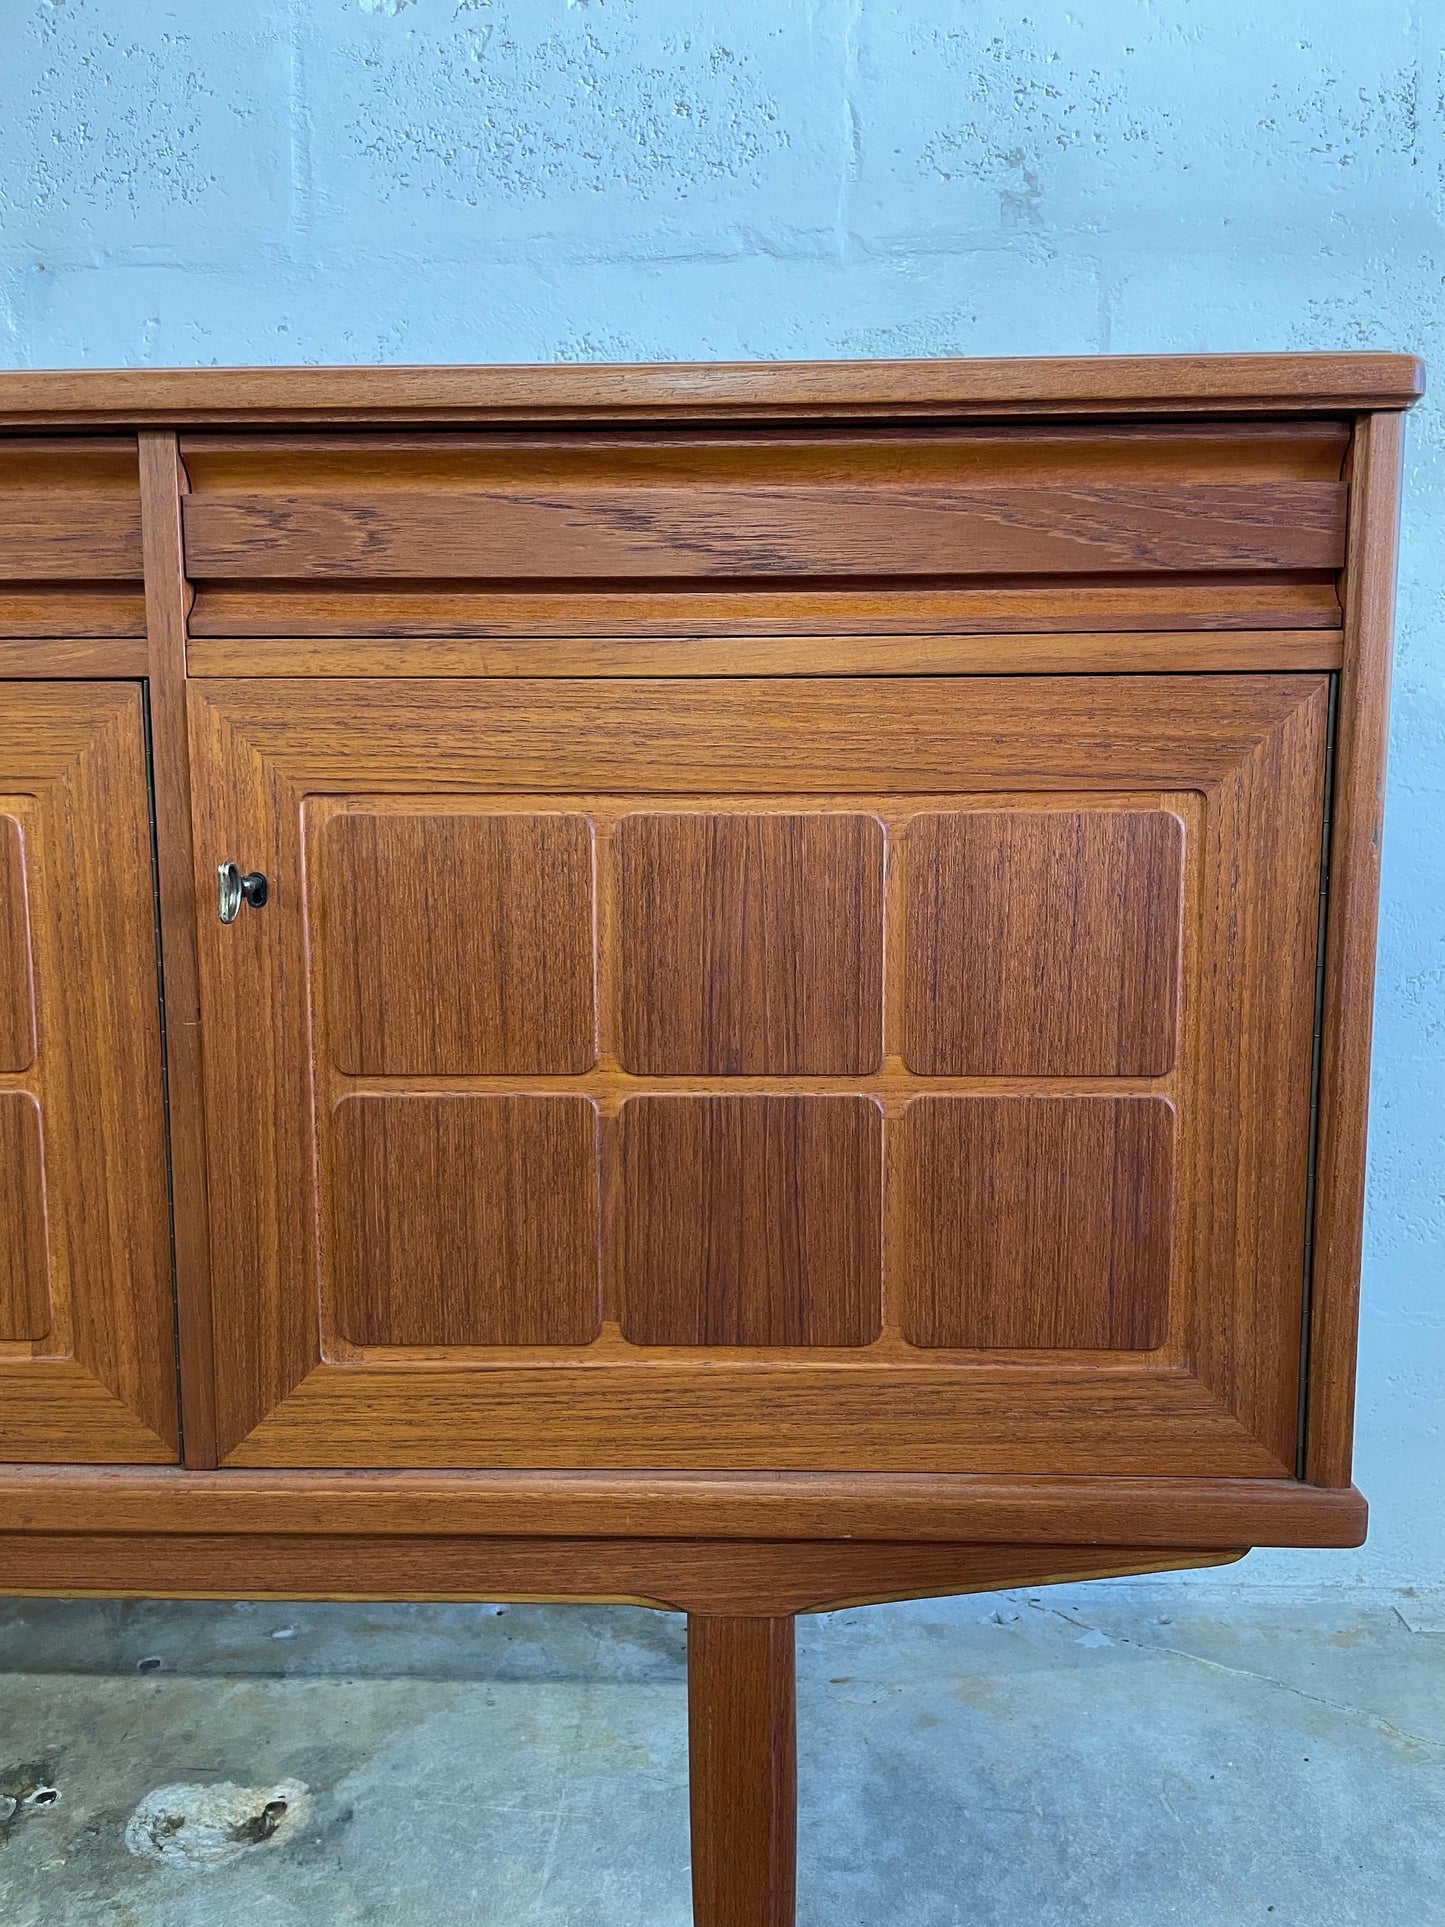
{"type": "Point", "coordinates": [740, 1597]}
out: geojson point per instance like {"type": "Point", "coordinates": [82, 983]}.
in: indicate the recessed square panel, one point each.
{"type": "Point", "coordinates": [751, 1220]}
{"type": "Point", "coordinates": [750, 944]}
{"type": "Point", "coordinates": [24, 1279]}
{"type": "Point", "coordinates": [466, 1220]}
{"type": "Point", "coordinates": [1036, 1223]}
{"type": "Point", "coordinates": [17, 989]}
{"type": "Point", "coordinates": [458, 943]}
{"type": "Point", "coordinates": [1042, 942]}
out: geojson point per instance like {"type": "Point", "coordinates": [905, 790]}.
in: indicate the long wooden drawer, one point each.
{"type": "Point", "coordinates": [764, 532]}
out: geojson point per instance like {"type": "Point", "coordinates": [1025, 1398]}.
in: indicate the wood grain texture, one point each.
{"type": "Point", "coordinates": [690, 506]}
{"type": "Point", "coordinates": [1356, 830]}
{"type": "Point", "coordinates": [1149, 1514]}
{"type": "Point", "coordinates": [1280, 384]}
{"type": "Point", "coordinates": [1060, 654]}
{"type": "Point", "coordinates": [751, 1220]}
{"type": "Point", "coordinates": [167, 593]}
{"type": "Point", "coordinates": [1043, 942]}
{"type": "Point", "coordinates": [458, 942]}
{"type": "Point", "coordinates": [875, 530]}
{"type": "Point", "coordinates": [37, 657]}
{"type": "Point", "coordinates": [17, 986]}
{"type": "Point", "coordinates": [466, 1220]}
{"type": "Point", "coordinates": [69, 510]}
{"type": "Point", "coordinates": [56, 1411]}
{"type": "Point", "coordinates": [255, 978]}
{"type": "Point", "coordinates": [713, 1576]}
{"type": "Point", "coordinates": [682, 451]}
{"type": "Point", "coordinates": [742, 1749]}
{"type": "Point", "coordinates": [821, 736]}
{"type": "Point", "coordinates": [24, 1260]}
{"type": "Point", "coordinates": [1037, 1223]}
{"type": "Point", "coordinates": [1253, 1046]}
{"type": "Point", "coordinates": [98, 1380]}
{"type": "Point", "coordinates": [859, 1412]}
{"type": "Point", "coordinates": [695, 533]}
{"type": "Point", "coordinates": [704, 506]}
{"type": "Point", "coordinates": [73, 618]}
{"type": "Point", "coordinates": [339, 630]}
{"type": "Point", "coordinates": [750, 943]}
{"type": "Point", "coordinates": [1239, 758]}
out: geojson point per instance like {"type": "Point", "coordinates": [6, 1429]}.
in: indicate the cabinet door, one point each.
{"type": "Point", "coordinates": [894, 1073]}
{"type": "Point", "coordinates": [87, 1368]}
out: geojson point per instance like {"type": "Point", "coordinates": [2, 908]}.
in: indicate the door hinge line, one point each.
{"type": "Point", "coordinates": [1316, 1054]}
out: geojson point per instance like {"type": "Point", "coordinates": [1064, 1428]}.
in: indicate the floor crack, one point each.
{"type": "Point", "coordinates": [572, 1755]}
{"type": "Point", "coordinates": [1374, 1721]}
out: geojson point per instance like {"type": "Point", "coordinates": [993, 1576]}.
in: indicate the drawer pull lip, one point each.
{"type": "Point", "coordinates": [236, 889]}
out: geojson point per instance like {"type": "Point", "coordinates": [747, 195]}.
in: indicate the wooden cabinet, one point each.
{"type": "Point", "coordinates": [796, 1028]}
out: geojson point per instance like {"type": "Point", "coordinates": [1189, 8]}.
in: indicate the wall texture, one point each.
{"type": "Point", "coordinates": [415, 180]}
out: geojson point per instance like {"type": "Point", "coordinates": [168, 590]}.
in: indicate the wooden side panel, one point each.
{"type": "Point", "coordinates": [87, 1367]}
{"type": "Point", "coordinates": [1037, 1223]}
{"type": "Point", "coordinates": [1356, 837]}
{"type": "Point", "coordinates": [457, 943]}
{"type": "Point", "coordinates": [24, 1261]}
{"type": "Point", "coordinates": [750, 943]}
{"type": "Point", "coordinates": [751, 1220]}
{"type": "Point", "coordinates": [466, 1220]}
{"type": "Point", "coordinates": [1043, 943]}
{"type": "Point", "coordinates": [17, 988]}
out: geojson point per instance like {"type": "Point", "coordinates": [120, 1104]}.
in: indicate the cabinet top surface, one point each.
{"type": "Point", "coordinates": [1053, 387]}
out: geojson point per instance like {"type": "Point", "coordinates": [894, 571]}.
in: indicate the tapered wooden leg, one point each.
{"type": "Point", "coordinates": [743, 1761]}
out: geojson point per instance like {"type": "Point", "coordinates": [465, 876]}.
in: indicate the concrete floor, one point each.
{"type": "Point", "coordinates": [1129, 1755]}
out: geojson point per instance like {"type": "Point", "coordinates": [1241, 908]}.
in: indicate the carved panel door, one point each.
{"type": "Point", "coordinates": [896, 1073]}
{"type": "Point", "coordinates": [87, 1367]}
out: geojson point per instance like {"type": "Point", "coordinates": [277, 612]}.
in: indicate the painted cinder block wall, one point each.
{"type": "Point", "coordinates": [533, 180]}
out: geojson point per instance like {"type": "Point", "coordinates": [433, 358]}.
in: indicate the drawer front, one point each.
{"type": "Point", "coordinates": [765, 533]}
{"type": "Point", "coordinates": [70, 537]}
{"type": "Point", "coordinates": [858, 1075]}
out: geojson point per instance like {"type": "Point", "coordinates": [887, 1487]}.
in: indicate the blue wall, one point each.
{"type": "Point", "coordinates": [417, 180]}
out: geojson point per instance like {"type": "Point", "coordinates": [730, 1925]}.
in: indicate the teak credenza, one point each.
{"type": "Point", "coordinates": [742, 988]}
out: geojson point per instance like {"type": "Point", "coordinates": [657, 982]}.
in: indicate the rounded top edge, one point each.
{"type": "Point", "coordinates": [959, 389]}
